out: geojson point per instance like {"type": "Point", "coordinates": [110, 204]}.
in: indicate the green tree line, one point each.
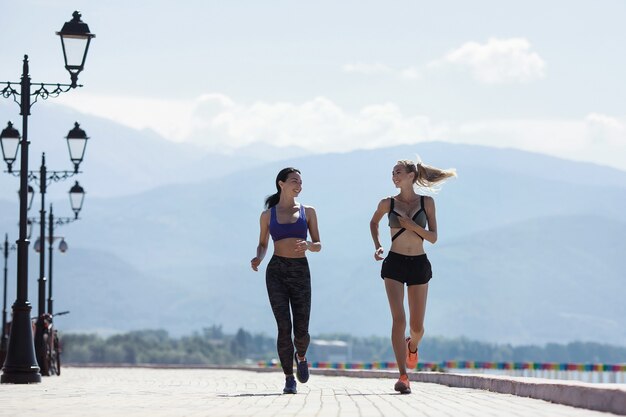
{"type": "Point", "coordinates": [213, 346]}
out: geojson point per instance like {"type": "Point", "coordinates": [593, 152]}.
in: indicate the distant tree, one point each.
{"type": "Point", "coordinates": [213, 346]}
{"type": "Point", "coordinates": [241, 344]}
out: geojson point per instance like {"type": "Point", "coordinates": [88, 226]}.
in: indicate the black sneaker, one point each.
{"type": "Point", "coordinates": [290, 385]}
{"type": "Point", "coordinates": [302, 369]}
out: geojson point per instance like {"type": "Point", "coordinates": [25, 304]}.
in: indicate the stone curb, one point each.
{"type": "Point", "coordinates": [599, 397]}
{"type": "Point", "coordinates": [577, 394]}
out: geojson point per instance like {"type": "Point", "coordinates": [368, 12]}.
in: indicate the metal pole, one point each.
{"type": "Point", "coordinates": [41, 301]}
{"type": "Point", "coordinates": [50, 250]}
{"type": "Point", "coordinates": [3, 346]}
{"type": "Point", "coordinates": [42, 239]}
{"type": "Point", "coordinates": [20, 366]}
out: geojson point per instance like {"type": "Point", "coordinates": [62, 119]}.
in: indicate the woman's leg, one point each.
{"type": "Point", "coordinates": [279, 299]}
{"type": "Point", "coordinates": [395, 295]}
{"type": "Point", "coordinates": [417, 310]}
{"type": "Point", "coordinates": [300, 296]}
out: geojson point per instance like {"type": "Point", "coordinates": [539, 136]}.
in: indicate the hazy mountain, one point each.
{"type": "Point", "coordinates": [120, 160]}
{"type": "Point", "coordinates": [551, 278]}
{"type": "Point", "coordinates": [529, 249]}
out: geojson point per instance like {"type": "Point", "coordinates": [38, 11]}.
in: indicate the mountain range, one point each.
{"type": "Point", "coordinates": [529, 251]}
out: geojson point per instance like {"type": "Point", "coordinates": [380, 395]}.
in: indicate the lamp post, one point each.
{"type": "Point", "coordinates": [3, 344]}
{"type": "Point", "coordinates": [59, 221]}
{"type": "Point", "coordinates": [20, 366]}
{"type": "Point", "coordinates": [76, 144]}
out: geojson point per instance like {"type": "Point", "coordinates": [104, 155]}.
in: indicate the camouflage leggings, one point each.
{"type": "Point", "coordinates": [288, 283]}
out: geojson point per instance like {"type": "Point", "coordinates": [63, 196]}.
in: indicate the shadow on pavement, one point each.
{"type": "Point", "coordinates": [278, 394]}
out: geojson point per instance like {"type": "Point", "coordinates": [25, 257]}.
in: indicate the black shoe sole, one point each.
{"type": "Point", "coordinates": [300, 379]}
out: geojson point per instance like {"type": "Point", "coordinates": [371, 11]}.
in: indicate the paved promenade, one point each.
{"type": "Point", "coordinates": [218, 392]}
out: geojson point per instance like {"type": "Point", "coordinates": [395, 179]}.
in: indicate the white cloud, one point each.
{"type": "Point", "coordinates": [595, 138]}
{"type": "Point", "coordinates": [603, 129]}
{"type": "Point", "coordinates": [170, 118]}
{"type": "Point", "coordinates": [497, 61]}
{"type": "Point", "coordinates": [217, 122]}
{"type": "Point", "coordinates": [318, 125]}
{"type": "Point", "coordinates": [556, 137]}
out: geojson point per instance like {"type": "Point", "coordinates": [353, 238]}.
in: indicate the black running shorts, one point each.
{"type": "Point", "coordinates": [411, 270]}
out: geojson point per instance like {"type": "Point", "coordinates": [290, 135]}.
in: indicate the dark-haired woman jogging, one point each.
{"type": "Point", "coordinates": [411, 221]}
{"type": "Point", "coordinates": [287, 276]}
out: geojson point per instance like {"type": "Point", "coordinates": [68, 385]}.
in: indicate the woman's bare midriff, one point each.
{"type": "Point", "coordinates": [408, 243]}
{"type": "Point", "coordinates": [287, 248]}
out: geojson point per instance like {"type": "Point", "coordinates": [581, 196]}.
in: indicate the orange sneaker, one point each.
{"type": "Point", "coordinates": [411, 357]}
{"type": "Point", "coordinates": [403, 386]}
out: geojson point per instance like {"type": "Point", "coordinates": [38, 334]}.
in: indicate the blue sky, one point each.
{"type": "Point", "coordinates": [341, 75]}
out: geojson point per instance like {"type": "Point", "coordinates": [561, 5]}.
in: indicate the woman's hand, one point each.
{"type": "Point", "coordinates": [255, 262]}
{"type": "Point", "coordinates": [378, 255]}
{"type": "Point", "coordinates": [406, 222]}
{"type": "Point", "coordinates": [301, 246]}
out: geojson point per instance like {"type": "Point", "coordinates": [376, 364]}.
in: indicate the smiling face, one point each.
{"type": "Point", "coordinates": [292, 185]}
{"type": "Point", "coordinates": [401, 176]}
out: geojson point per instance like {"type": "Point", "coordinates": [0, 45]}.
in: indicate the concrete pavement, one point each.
{"type": "Point", "coordinates": [234, 392]}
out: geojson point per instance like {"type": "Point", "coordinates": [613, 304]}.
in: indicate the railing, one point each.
{"type": "Point", "coordinates": [588, 372]}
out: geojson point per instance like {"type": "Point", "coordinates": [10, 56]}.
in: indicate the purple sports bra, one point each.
{"type": "Point", "coordinates": [279, 231]}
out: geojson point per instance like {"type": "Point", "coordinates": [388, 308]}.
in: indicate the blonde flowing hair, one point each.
{"type": "Point", "coordinates": [426, 176]}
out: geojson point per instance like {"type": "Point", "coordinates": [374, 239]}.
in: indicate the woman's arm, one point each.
{"type": "Point", "coordinates": [429, 234]}
{"type": "Point", "coordinates": [314, 245]}
{"type": "Point", "coordinates": [383, 208]}
{"type": "Point", "coordinates": [264, 236]}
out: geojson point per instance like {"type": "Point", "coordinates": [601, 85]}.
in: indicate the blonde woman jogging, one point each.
{"type": "Point", "coordinates": [412, 221]}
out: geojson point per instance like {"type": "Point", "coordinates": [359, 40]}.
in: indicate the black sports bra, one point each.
{"type": "Point", "coordinates": [419, 217]}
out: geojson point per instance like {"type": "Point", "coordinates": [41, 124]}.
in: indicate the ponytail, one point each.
{"type": "Point", "coordinates": [426, 176]}
{"type": "Point", "coordinates": [273, 199]}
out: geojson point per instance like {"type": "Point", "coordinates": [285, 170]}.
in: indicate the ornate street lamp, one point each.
{"type": "Point", "coordinates": [75, 40]}
{"type": "Point", "coordinates": [77, 143]}
{"type": "Point", "coordinates": [20, 366]}
{"type": "Point", "coordinates": [76, 140]}
{"type": "Point", "coordinates": [10, 142]}
{"type": "Point", "coordinates": [62, 248]}
{"type": "Point", "coordinates": [31, 195]}
{"type": "Point", "coordinates": [77, 196]}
